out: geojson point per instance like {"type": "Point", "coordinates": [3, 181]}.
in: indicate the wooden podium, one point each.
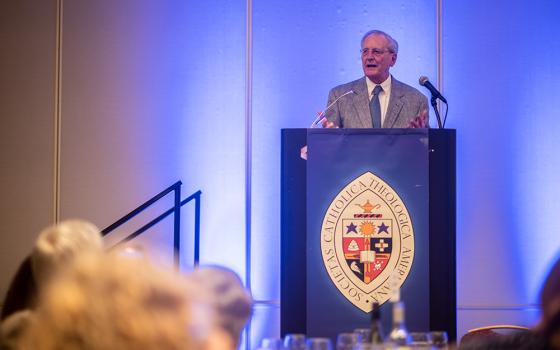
{"type": "Point", "coordinates": [329, 277]}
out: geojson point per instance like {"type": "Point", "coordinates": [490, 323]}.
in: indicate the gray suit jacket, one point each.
{"type": "Point", "coordinates": [352, 111]}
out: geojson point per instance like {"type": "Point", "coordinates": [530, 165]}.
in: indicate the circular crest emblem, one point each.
{"type": "Point", "coordinates": [367, 241]}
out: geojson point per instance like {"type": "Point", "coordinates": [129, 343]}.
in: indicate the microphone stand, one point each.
{"type": "Point", "coordinates": [434, 104]}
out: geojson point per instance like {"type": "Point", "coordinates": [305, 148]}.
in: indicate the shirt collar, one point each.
{"type": "Point", "coordinates": [386, 85]}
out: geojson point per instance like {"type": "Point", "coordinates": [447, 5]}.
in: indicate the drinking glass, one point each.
{"type": "Point", "coordinates": [439, 339]}
{"type": "Point", "coordinates": [294, 341]}
{"type": "Point", "coordinates": [347, 341]}
{"type": "Point", "coordinates": [368, 346]}
{"type": "Point", "coordinates": [421, 340]}
{"type": "Point", "coordinates": [319, 344]}
{"type": "Point", "coordinates": [364, 333]}
{"type": "Point", "coordinates": [272, 344]}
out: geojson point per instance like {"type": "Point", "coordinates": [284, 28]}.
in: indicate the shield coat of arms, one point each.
{"type": "Point", "coordinates": [367, 241]}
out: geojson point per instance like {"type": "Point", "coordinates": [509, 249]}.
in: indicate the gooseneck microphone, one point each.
{"type": "Point", "coordinates": [424, 81]}
{"type": "Point", "coordinates": [321, 115]}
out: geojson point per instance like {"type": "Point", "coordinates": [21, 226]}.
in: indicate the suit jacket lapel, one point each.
{"type": "Point", "coordinates": [395, 103]}
{"type": "Point", "coordinates": [361, 103]}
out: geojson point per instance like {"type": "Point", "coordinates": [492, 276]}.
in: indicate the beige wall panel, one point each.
{"type": "Point", "coordinates": [27, 72]}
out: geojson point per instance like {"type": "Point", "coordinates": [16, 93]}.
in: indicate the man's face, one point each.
{"type": "Point", "coordinates": [376, 58]}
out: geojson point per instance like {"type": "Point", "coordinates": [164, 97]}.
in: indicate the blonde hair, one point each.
{"type": "Point", "coordinates": [113, 302]}
{"type": "Point", "coordinates": [57, 245]}
{"type": "Point", "coordinates": [13, 327]}
{"type": "Point", "coordinates": [223, 290]}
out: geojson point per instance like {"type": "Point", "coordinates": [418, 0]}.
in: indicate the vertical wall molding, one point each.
{"type": "Point", "coordinates": [57, 112]}
{"type": "Point", "coordinates": [248, 136]}
{"type": "Point", "coordinates": [439, 44]}
{"type": "Point", "coordinates": [248, 149]}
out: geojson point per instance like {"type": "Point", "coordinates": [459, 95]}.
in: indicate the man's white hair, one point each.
{"type": "Point", "coordinates": [393, 44]}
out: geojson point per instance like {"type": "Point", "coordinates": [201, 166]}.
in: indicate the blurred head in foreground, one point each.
{"type": "Point", "coordinates": [13, 328]}
{"type": "Point", "coordinates": [550, 306]}
{"type": "Point", "coordinates": [224, 292]}
{"type": "Point", "coordinates": [54, 249]}
{"type": "Point", "coordinates": [115, 302]}
{"type": "Point", "coordinates": [60, 244]}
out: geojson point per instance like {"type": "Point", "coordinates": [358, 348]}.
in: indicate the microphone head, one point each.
{"type": "Point", "coordinates": [423, 80]}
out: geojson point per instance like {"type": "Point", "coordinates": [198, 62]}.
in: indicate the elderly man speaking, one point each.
{"type": "Point", "coordinates": [377, 100]}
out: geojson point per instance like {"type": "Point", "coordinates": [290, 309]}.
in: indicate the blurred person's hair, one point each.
{"type": "Point", "coordinates": [114, 302]}
{"type": "Point", "coordinates": [22, 291]}
{"type": "Point", "coordinates": [12, 329]}
{"type": "Point", "coordinates": [54, 248]}
{"type": "Point", "coordinates": [59, 244]}
{"type": "Point", "coordinates": [224, 291]}
{"type": "Point", "coordinates": [550, 306]}
{"type": "Point", "coordinates": [550, 292]}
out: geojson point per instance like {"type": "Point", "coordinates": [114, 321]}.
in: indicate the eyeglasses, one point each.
{"type": "Point", "coordinates": [375, 52]}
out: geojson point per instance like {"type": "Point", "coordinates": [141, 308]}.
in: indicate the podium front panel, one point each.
{"type": "Point", "coordinates": [351, 214]}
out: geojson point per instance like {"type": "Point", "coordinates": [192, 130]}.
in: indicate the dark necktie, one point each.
{"type": "Point", "coordinates": [375, 107]}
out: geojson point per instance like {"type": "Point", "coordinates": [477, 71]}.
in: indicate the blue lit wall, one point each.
{"type": "Point", "coordinates": [501, 75]}
{"type": "Point", "coordinates": [211, 44]}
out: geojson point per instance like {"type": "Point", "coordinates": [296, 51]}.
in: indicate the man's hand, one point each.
{"type": "Point", "coordinates": [420, 121]}
{"type": "Point", "coordinates": [328, 124]}
{"type": "Point", "coordinates": [303, 152]}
